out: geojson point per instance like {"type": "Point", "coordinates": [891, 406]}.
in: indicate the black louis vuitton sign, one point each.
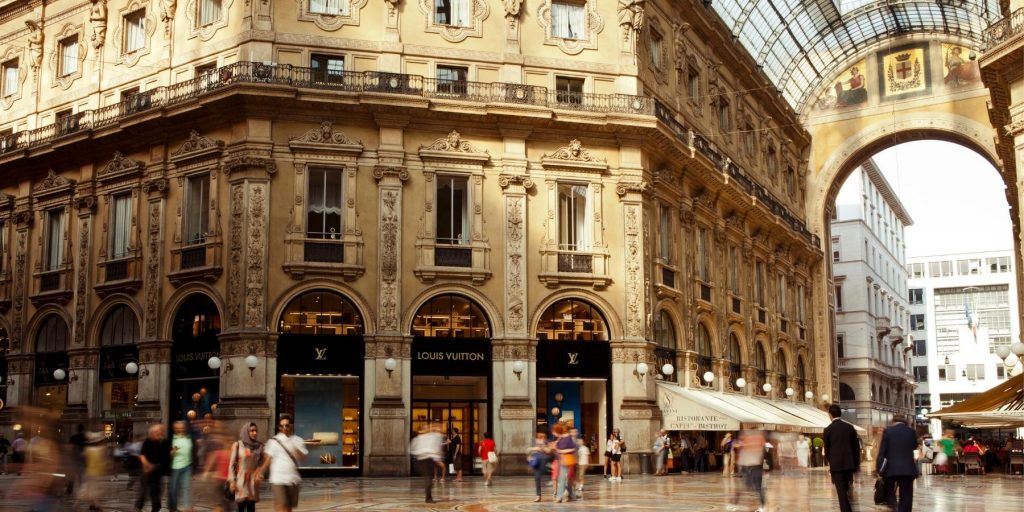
{"type": "Point", "coordinates": [451, 356]}
{"type": "Point", "coordinates": [573, 359]}
{"type": "Point", "coordinates": [320, 355]}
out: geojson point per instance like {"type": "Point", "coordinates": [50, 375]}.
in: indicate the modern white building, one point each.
{"type": "Point", "coordinates": [963, 307]}
{"type": "Point", "coordinates": [872, 314]}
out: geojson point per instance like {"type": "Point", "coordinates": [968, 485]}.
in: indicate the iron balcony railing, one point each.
{"type": "Point", "coordinates": [1004, 29]}
{"type": "Point", "coordinates": [349, 81]}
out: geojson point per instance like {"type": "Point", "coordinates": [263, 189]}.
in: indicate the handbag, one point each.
{"type": "Point", "coordinates": [880, 497]}
{"type": "Point", "coordinates": [492, 457]}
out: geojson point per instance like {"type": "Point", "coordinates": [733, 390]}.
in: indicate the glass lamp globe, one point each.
{"type": "Point", "coordinates": [809, 395]}
{"type": "Point", "coordinates": [767, 387]}
{"type": "Point", "coordinates": [1017, 348]}
{"type": "Point", "coordinates": [741, 383]}
{"type": "Point", "coordinates": [1003, 351]}
{"type": "Point", "coordinates": [668, 369]}
{"type": "Point", "coordinates": [709, 377]}
{"type": "Point", "coordinates": [213, 363]}
{"type": "Point", "coordinates": [790, 392]}
{"type": "Point", "coordinates": [59, 374]}
{"type": "Point", "coordinates": [131, 368]}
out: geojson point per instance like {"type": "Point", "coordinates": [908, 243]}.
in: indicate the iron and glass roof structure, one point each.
{"type": "Point", "coordinates": [800, 43]}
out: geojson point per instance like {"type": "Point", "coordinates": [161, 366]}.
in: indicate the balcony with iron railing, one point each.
{"type": "Point", "coordinates": [120, 274]}
{"type": "Point", "coordinates": [324, 254]}
{"type": "Point", "coordinates": [196, 260]}
{"type": "Point", "coordinates": [569, 264]}
{"type": "Point", "coordinates": [1004, 30]}
{"type": "Point", "coordinates": [52, 285]}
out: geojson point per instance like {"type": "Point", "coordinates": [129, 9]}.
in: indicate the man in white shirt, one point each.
{"type": "Point", "coordinates": [427, 448]}
{"type": "Point", "coordinates": [283, 453]}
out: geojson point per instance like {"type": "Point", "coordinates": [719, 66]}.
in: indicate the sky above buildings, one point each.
{"type": "Point", "coordinates": [956, 198]}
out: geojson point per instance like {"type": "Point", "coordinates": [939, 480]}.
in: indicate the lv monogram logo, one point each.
{"type": "Point", "coordinates": [574, 358]}
{"type": "Point", "coordinates": [321, 353]}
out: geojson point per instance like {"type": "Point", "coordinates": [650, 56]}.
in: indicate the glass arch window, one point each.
{"type": "Point", "coordinates": [572, 319]}
{"type": "Point", "coordinates": [846, 392]}
{"type": "Point", "coordinates": [801, 378]}
{"type": "Point", "coordinates": [664, 331]}
{"type": "Point", "coordinates": [735, 361]}
{"type": "Point", "coordinates": [120, 327]}
{"type": "Point", "coordinates": [782, 368]}
{"type": "Point", "coordinates": [761, 364]}
{"type": "Point", "coordinates": [52, 335]}
{"type": "Point", "coordinates": [450, 316]}
{"type": "Point", "coordinates": [321, 312]}
{"type": "Point", "coordinates": [703, 352]}
{"type": "Point", "coordinates": [198, 316]}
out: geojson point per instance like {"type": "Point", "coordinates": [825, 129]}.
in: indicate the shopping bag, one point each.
{"type": "Point", "coordinates": [451, 468]}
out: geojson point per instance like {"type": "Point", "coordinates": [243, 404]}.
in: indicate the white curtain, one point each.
{"type": "Point", "coordinates": [55, 240]}
{"type": "Point", "coordinates": [121, 235]}
{"type": "Point", "coordinates": [559, 20]}
{"type": "Point", "coordinates": [10, 78]}
{"type": "Point", "coordinates": [584, 215]}
{"type": "Point", "coordinates": [198, 209]}
{"type": "Point", "coordinates": [136, 37]}
{"type": "Point", "coordinates": [462, 15]}
{"type": "Point", "coordinates": [209, 12]}
{"type": "Point", "coordinates": [332, 7]}
{"type": "Point", "coordinates": [576, 15]}
{"type": "Point", "coordinates": [69, 56]}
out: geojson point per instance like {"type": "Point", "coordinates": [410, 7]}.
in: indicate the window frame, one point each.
{"type": "Point", "coordinates": [5, 69]}
{"type": "Point", "coordinates": [137, 19]}
{"type": "Point", "coordinates": [188, 205]}
{"type": "Point", "coordinates": [309, 202]}
{"type": "Point", "coordinates": [63, 57]}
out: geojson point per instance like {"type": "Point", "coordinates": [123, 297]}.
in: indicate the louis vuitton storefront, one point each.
{"type": "Point", "coordinates": [319, 378]}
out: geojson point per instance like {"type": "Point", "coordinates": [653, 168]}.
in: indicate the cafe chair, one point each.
{"type": "Point", "coordinates": [973, 463]}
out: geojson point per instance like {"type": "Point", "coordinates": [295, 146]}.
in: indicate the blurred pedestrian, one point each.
{"type": "Point", "coordinates": [842, 450]}
{"type": "Point", "coordinates": [488, 452]}
{"type": "Point", "coordinates": [895, 463]}
{"type": "Point", "coordinates": [540, 456]}
{"type": "Point", "coordinates": [213, 484]}
{"type": "Point", "coordinates": [19, 449]}
{"type": "Point", "coordinates": [727, 454]}
{"type": "Point", "coordinates": [455, 454]}
{"type": "Point", "coordinates": [750, 461]}
{"type": "Point", "coordinates": [76, 460]}
{"type": "Point", "coordinates": [96, 466]}
{"type": "Point", "coordinates": [582, 461]}
{"type": "Point", "coordinates": [282, 454]}
{"type": "Point", "coordinates": [155, 455]}
{"type": "Point", "coordinates": [427, 448]}
{"type": "Point", "coordinates": [179, 489]}
{"type": "Point", "coordinates": [5, 447]}
{"type": "Point", "coordinates": [565, 448]}
{"type": "Point", "coordinates": [615, 450]}
{"type": "Point", "coordinates": [803, 451]}
{"type": "Point", "coordinates": [660, 448]}
{"type": "Point", "coordinates": [243, 473]}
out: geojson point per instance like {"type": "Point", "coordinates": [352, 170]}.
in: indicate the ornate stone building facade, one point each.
{"type": "Point", "coordinates": [479, 215]}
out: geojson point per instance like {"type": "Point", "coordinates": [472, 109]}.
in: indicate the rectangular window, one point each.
{"type": "Point", "coordinates": [575, 230]}
{"type": "Point", "coordinates": [839, 297]}
{"type": "Point", "coordinates": [998, 265]}
{"type": "Point", "coordinates": [454, 13]}
{"type": "Point", "coordinates": [324, 211]}
{"type": "Point", "coordinates": [567, 19]}
{"type": "Point", "coordinates": [921, 373]}
{"type": "Point", "coordinates": [569, 90]}
{"type": "Point", "coordinates": [209, 12]}
{"type": "Point", "coordinates": [1000, 372]}
{"type": "Point", "coordinates": [836, 256]}
{"type": "Point", "coordinates": [703, 256]}
{"type": "Point", "coordinates": [3, 247]}
{"type": "Point", "coordinates": [920, 347]}
{"type": "Point", "coordinates": [947, 372]}
{"type": "Point", "coordinates": [68, 48]}
{"type": "Point", "coordinates": [723, 115]}
{"type": "Point", "coordinates": [841, 345]}
{"type": "Point", "coordinates": [916, 296]}
{"type": "Point", "coordinates": [975, 372]}
{"type": "Point", "coordinates": [917, 322]}
{"type": "Point", "coordinates": [66, 120]}
{"type": "Point", "coordinates": [54, 239]}
{"type": "Point", "coordinates": [917, 270]}
{"type": "Point", "coordinates": [790, 181]}
{"type": "Point", "coordinates": [657, 44]}
{"type": "Point", "coordinates": [800, 303]}
{"type": "Point", "coordinates": [10, 78]}
{"type": "Point", "coordinates": [940, 268]}
{"type": "Point", "coordinates": [197, 209]}
{"type": "Point", "coordinates": [120, 226]}
{"type": "Point", "coordinates": [734, 270]}
{"type": "Point", "coordinates": [134, 31]}
{"type": "Point", "coordinates": [452, 215]}
{"type": "Point", "coordinates": [693, 84]}
{"type": "Point", "coordinates": [783, 303]}
{"type": "Point", "coordinates": [327, 68]}
{"type": "Point", "coordinates": [759, 277]}
{"type": "Point", "coordinates": [665, 234]}
{"type": "Point", "coordinates": [749, 139]}
{"type": "Point", "coordinates": [452, 79]}
{"type": "Point", "coordinates": [329, 7]}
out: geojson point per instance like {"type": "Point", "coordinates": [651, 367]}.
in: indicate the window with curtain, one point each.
{"type": "Point", "coordinates": [324, 212]}
{"type": "Point", "coordinates": [329, 7]}
{"type": "Point", "coordinates": [703, 256]}
{"type": "Point", "coordinates": [120, 226]}
{"type": "Point", "coordinates": [657, 43]}
{"type": "Point", "coordinates": [134, 31]}
{"type": "Point", "coordinates": [10, 77]}
{"type": "Point", "coordinates": [567, 19]}
{"type": "Point", "coordinates": [703, 352]}
{"type": "Point", "coordinates": [665, 234]}
{"type": "Point", "coordinates": [209, 12]}
{"type": "Point", "coordinates": [54, 238]}
{"type": "Point", "coordinates": [575, 214]}
{"type": "Point", "coordinates": [734, 270]}
{"type": "Point", "coordinates": [197, 208]}
{"type": "Point", "coordinates": [790, 181]}
{"type": "Point", "coordinates": [455, 13]}
{"type": "Point", "coordinates": [759, 282]}
{"type": "Point", "coordinates": [783, 303]}
{"type": "Point", "coordinates": [723, 115]}
{"type": "Point", "coordinates": [68, 55]}
{"type": "Point", "coordinates": [120, 328]}
{"type": "Point", "coordinates": [452, 214]}
{"type": "Point", "coordinates": [693, 84]}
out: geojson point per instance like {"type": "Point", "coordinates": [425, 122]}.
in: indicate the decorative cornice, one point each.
{"type": "Point", "coordinates": [53, 183]}
{"type": "Point", "coordinates": [158, 185]}
{"type": "Point", "coordinates": [120, 164]}
{"type": "Point", "coordinates": [624, 187]}
{"type": "Point", "coordinates": [504, 180]}
{"type": "Point", "coordinates": [326, 135]}
{"type": "Point", "coordinates": [574, 152]}
{"type": "Point", "coordinates": [243, 161]}
{"type": "Point", "coordinates": [382, 171]}
{"type": "Point", "coordinates": [453, 147]}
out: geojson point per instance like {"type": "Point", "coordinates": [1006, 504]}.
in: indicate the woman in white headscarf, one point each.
{"type": "Point", "coordinates": [243, 477]}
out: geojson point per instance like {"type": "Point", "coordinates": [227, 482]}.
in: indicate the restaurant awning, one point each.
{"type": "Point", "coordinates": [999, 407]}
{"type": "Point", "coordinates": [700, 409]}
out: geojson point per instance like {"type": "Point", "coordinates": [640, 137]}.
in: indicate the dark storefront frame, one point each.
{"type": "Point", "coordinates": [196, 328]}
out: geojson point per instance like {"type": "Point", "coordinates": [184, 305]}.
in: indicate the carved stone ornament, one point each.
{"type": "Point", "coordinates": [158, 185]}
{"type": "Point", "coordinates": [245, 161]}
{"type": "Point", "coordinates": [325, 135]}
{"type": "Point", "coordinates": [98, 19]}
{"type": "Point", "coordinates": [35, 44]}
{"type": "Point", "coordinates": [512, 8]}
{"type": "Point", "coordinates": [631, 19]}
{"type": "Point", "coordinates": [195, 146]}
{"type": "Point", "coordinates": [85, 203]}
{"type": "Point", "coordinates": [347, 15]}
{"type": "Point", "coordinates": [452, 142]}
{"type": "Point", "coordinates": [53, 183]}
{"type": "Point", "coordinates": [504, 180]}
{"type": "Point", "coordinates": [574, 152]}
{"type": "Point", "coordinates": [458, 30]}
{"type": "Point", "coordinates": [382, 171]}
{"type": "Point", "coordinates": [119, 165]}
{"type": "Point", "coordinates": [625, 187]}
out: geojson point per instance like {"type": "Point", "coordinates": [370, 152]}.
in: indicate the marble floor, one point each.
{"type": "Point", "coordinates": [791, 492]}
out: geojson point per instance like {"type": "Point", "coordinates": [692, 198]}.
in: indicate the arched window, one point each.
{"type": "Point", "coordinates": [120, 327]}
{"type": "Point", "coordinates": [665, 351]}
{"type": "Point", "coordinates": [761, 364]}
{"type": "Point", "coordinates": [197, 317]}
{"type": "Point", "coordinates": [782, 368]}
{"type": "Point", "coordinates": [801, 378]}
{"type": "Point", "coordinates": [52, 335]}
{"type": "Point", "coordinates": [450, 316]}
{"type": "Point", "coordinates": [572, 319]}
{"type": "Point", "coordinates": [846, 392]}
{"type": "Point", "coordinates": [703, 353]}
{"type": "Point", "coordinates": [735, 361]}
{"type": "Point", "coordinates": [323, 313]}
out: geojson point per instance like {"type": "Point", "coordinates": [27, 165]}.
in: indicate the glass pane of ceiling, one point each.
{"type": "Point", "coordinates": [800, 43]}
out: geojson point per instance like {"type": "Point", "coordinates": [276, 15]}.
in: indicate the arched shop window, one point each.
{"type": "Point", "coordinates": [52, 358]}
{"type": "Point", "coordinates": [761, 365]}
{"type": "Point", "coordinates": [782, 369]}
{"type": "Point", "coordinates": [703, 353]}
{"type": "Point", "coordinates": [846, 393]}
{"type": "Point", "coordinates": [801, 378]}
{"type": "Point", "coordinates": [572, 319]}
{"type": "Point", "coordinates": [119, 353]}
{"type": "Point", "coordinates": [195, 386]}
{"type": "Point", "coordinates": [735, 362]}
{"type": "Point", "coordinates": [321, 312]}
{"type": "Point", "coordinates": [450, 316]}
{"type": "Point", "coordinates": [665, 339]}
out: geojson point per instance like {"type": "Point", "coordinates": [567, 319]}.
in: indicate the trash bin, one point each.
{"type": "Point", "coordinates": [645, 464]}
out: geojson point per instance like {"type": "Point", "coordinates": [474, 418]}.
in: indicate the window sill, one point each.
{"type": "Point", "coordinates": [206, 267]}
{"type": "Point", "coordinates": [471, 259]}
{"type": "Point", "coordinates": [298, 269]}
{"type": "Point", "coordinates": [430, 274]}
{"type": "Point", "coordinates": [118, 276]}
{"type": "Point", "coordinates": [554, 279]}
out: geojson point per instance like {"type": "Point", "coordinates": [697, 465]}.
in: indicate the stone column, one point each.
{"type": "Point", "coordinates": [515, 392]}
{"type": "Point", "coordinates": [154, 352]}
{"type": "Point", "coordinates": [388, 433]}
{"type": "Point", "coordinates": [83, 361]}
{"type": "Point", "coordinates": [244, 390]}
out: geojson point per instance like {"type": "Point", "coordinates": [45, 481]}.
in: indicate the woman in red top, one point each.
{"type": "Point", "coordinates": [488, 456]}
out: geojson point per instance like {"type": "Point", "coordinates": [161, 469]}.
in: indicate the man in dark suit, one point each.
{"type": "Point", "coordinates": [842, 449]}
{"type": "Point", "coordinates": [895, 463]}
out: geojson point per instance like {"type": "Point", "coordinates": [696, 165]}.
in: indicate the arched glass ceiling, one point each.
{"type": "Point", "coordinates": [800, 43]}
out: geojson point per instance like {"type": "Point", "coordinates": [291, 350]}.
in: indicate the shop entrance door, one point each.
{"type": "Point", "coordinates": [462, 415]}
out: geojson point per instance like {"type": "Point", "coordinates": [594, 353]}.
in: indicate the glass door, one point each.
{"type": "Point", "coordinates": [462, 415]}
